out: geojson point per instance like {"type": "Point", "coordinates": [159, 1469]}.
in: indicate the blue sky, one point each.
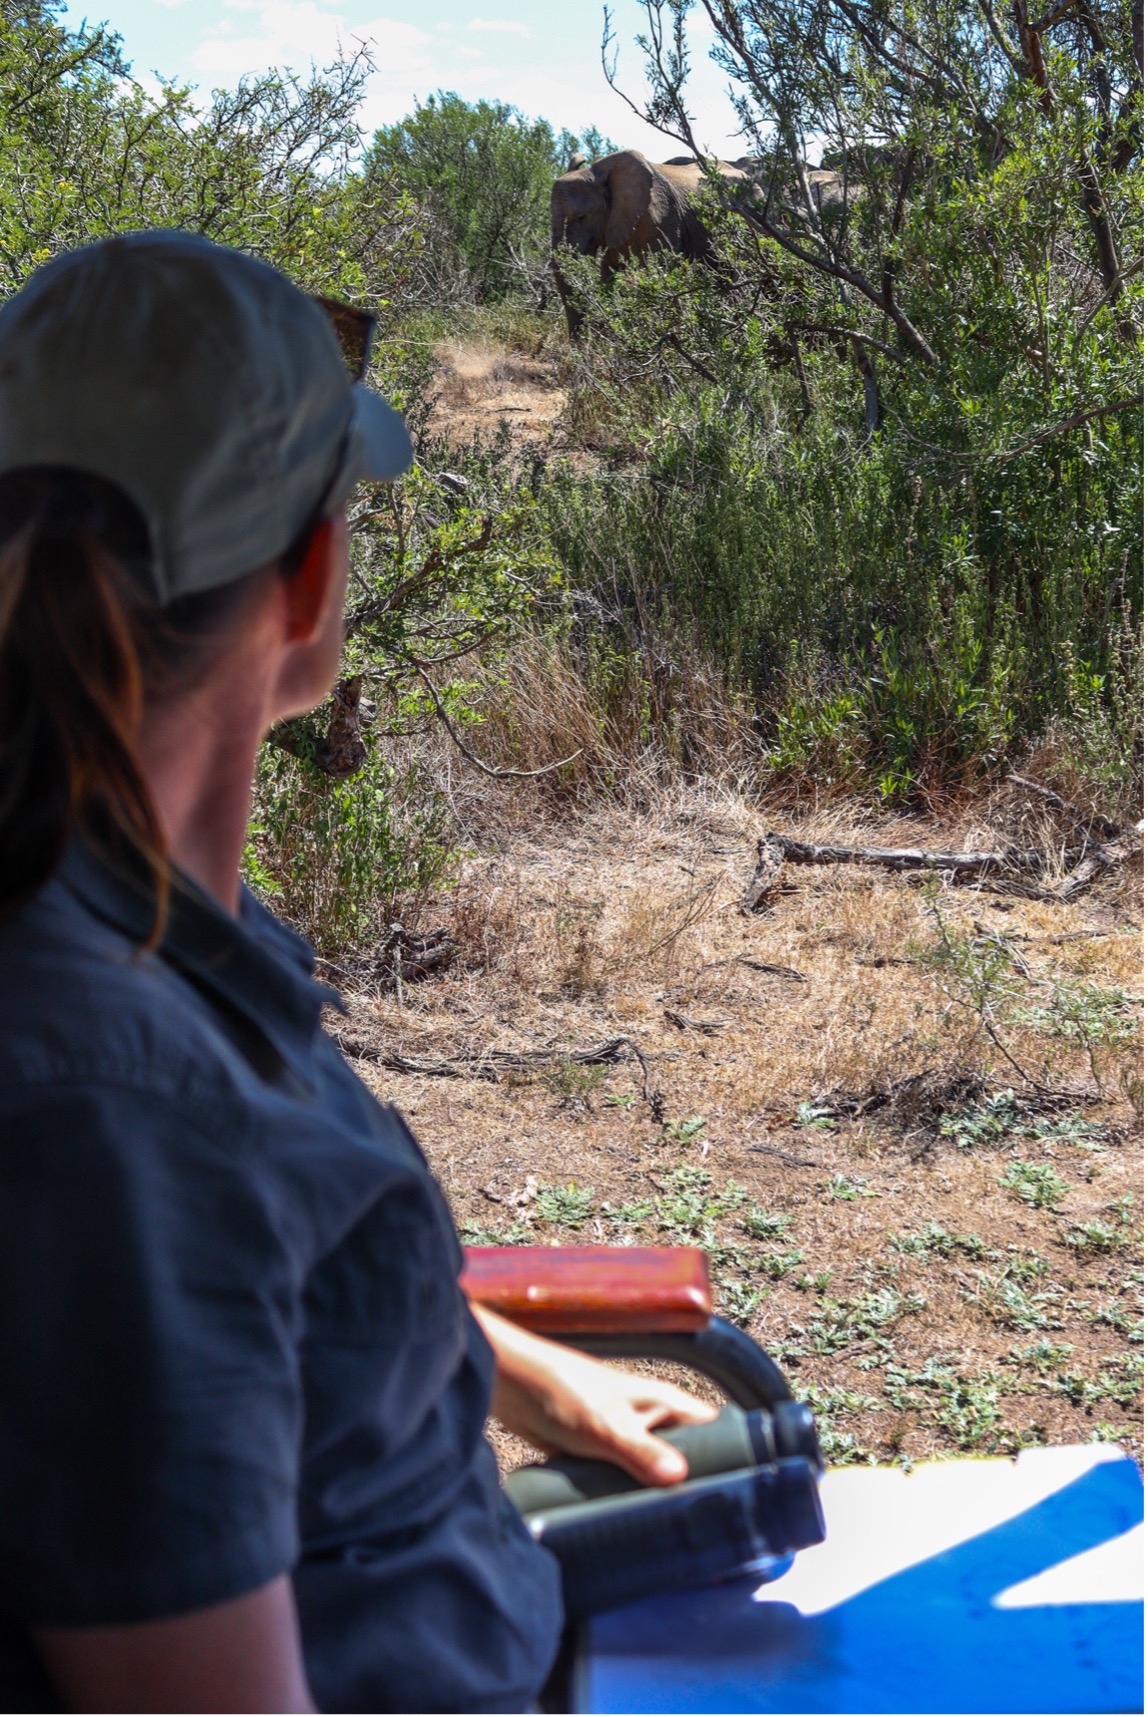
{"type": "Point", "coordinates": [541, 55]}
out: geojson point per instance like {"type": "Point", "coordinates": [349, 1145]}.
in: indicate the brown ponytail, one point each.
{"type": "Point", "coordinates": [83, 647]}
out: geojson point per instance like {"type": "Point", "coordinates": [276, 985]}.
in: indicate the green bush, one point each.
{"type": "Point", "coordinates": [907, 609]}
{"type": "Point", "coordinates": [342, 859]}
{"type": "Point", "coordinates": [484, 171]}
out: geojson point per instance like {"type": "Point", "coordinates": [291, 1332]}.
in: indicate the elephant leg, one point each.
{"type": "Point", "coordinates": [574, 317]}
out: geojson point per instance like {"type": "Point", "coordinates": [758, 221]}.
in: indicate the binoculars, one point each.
{"type": "Point", "coordinates": [749, 1501]}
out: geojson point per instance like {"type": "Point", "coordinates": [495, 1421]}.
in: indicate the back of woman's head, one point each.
{"type": "Point", "coordinates": [173, 415]}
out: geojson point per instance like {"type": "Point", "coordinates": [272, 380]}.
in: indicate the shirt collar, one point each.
{"type": "Point", "coordinates": [252, 963]}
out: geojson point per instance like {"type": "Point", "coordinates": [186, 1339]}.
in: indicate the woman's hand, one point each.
{"type": "Point", "coordinates": [564, 1402]}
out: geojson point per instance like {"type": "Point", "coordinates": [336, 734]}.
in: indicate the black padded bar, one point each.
{"type": "Point", "coordinates": [719, 1351]}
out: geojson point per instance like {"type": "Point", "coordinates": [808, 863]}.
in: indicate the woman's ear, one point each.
{"type": "Point", "coordinates": [310, 621]}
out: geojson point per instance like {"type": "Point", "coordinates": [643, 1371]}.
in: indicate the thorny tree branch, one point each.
{"type": "Point", "coordinates": [849, 334]}
{"type": "Point", "coordinates": [368, 612]}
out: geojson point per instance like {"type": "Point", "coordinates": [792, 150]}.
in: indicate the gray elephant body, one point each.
{"type": "Point", "coordinates": [625, 207]}
{"type": "Point", "coordinates": [826, 186]}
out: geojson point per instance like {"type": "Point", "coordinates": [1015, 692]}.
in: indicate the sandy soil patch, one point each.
{"type": "Point", "coordinates": [482, 386]}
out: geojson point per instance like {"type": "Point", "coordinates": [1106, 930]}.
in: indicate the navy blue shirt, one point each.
{"type": "Point", "coordinates": [232, 1342]}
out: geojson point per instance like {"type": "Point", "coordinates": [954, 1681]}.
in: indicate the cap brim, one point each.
{"type": "Point", "coordinates": [378, 446]}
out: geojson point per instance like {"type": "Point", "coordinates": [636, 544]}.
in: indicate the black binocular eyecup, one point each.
{"type": "Point", "coordinates": [786, 1429]}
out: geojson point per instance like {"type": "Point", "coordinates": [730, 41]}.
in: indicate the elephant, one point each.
{"type": "Point", "coordinates": [826, 186]}
{"type": "Point", "coordinates": [625, 206]}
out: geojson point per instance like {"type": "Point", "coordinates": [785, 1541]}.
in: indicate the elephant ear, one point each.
{"type": "Point", "coordinates": [629, 180]}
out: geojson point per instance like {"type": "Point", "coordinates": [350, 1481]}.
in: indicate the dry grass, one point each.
{"type": "Point", "coordinates": [616, 728]}
{"type": "Point", "coordinates": [904, 1283]}
{"type": "Point", "coordinates": [482, 382]}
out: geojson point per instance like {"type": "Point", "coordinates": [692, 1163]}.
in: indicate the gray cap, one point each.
{"type": "Point", "coordinates": [204, 384]}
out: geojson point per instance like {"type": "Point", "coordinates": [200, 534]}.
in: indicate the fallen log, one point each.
{"type": "Point", "coordinates": [1003, 871]}
{"type": "Point", "coordinates": [1026, 860]}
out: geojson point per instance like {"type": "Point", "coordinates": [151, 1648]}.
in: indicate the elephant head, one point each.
{"type": "Point", "coordinates": [619, 204]}
{"type": "Point", "coordinates": [622, 207]}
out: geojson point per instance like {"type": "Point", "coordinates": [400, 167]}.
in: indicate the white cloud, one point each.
{"type": "Point", "coordinates": [296, 33]}
{"type": "Point", "coordinates": [412, 61]}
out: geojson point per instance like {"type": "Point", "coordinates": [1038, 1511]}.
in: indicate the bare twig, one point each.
{"type": "Point", "coordinates": [836, 333]}
{"type": "Point", "coordinates": [802, 380]}
{"type": "Point", "coordinates": [785, 1157]}
{"type": "Point", "coordinates": [427, 1067]}
{"type": "Point", "coordinates": [703, 370]}
{"type": "Point", "coordinates": [1072, 422]}
{"type": "Point", "coordinates": [709, 1027]}
{"type": "Point", "coordinates": [1064, 936]}
{"type": "Point", "coordinates": [488, 1064]}
{"type": "Point", "coordinates": [486, 768]}
{"type": "Point", "coordinates": [1086, 820]}
{"type": "Point", "coordinates": [790, 972]}
{"type": "Point", "coordinates": [1004, 943]}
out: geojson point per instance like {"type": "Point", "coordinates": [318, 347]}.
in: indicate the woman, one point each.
{"type": "Point", "coordinates": [242, 1463]}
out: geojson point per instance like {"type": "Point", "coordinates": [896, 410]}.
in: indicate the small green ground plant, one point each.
{"type": "Point", "coordinates": [568, 1206]}
{"type": "Point", "coordinates": [1036, 1184]}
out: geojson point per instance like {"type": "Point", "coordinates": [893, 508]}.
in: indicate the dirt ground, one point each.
{"type": "Point", "coordinates": [481, 385]}
{"type": "Point", "coordinates": [903, 1117]}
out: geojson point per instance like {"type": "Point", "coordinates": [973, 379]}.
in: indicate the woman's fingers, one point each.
{"type": "Point", "coordinates": [564, 1401]}
{"type": "Point", "coordinates": [645, 1457]}
{"type": "Point", "coordinates": [666, 1404]}
{"type": "Point", "coordinates": [644, 1407]}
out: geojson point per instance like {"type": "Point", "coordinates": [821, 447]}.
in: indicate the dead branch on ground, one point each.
{"type": "Point", "coordinates": [1002, 871]}
{"type": "Point", "coordinates": [1026, 860]}
{"type": "Point", "coordinates": [683, 1022]}
{"type": "Point", "coordinates": [403, 956]}
{"type": "Point", "coordinates": [489, 1064]}
{"type": "Point", "coordinates": [1087, 820]}
{"type": "Point", "coordinates": [790, 973]}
